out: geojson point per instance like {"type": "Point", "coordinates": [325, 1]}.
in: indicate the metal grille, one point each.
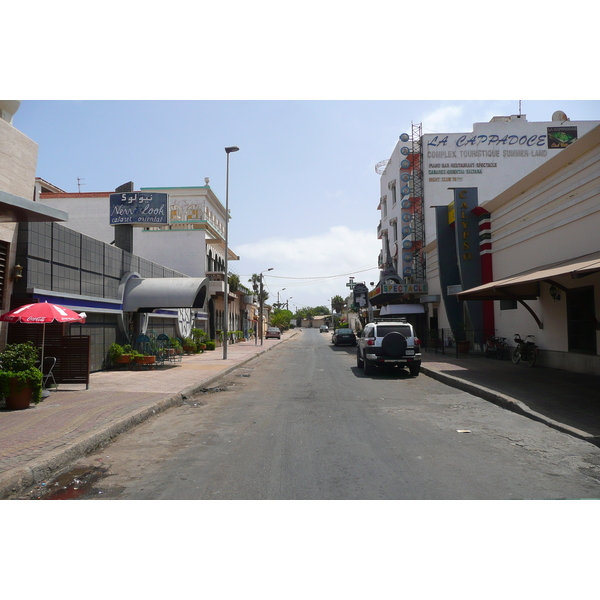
{"type": "Point", "coordinates": [417, 193]}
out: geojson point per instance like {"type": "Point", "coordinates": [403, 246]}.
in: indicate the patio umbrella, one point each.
{"type": "Point", "coordinates": [42, 313]}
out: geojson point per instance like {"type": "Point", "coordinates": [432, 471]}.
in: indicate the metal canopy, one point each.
{"type": "Point", "coordinates": [525, 286]}
{"type": "Point", "coordinates": [14, 209]}
{"type": "Point", "coordinates": [147, 295]}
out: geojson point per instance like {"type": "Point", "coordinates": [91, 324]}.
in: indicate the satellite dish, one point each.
{"type": "Point", "coordinates": [380, 166]}
{"type": "Point", "coordinates": [559, 115]}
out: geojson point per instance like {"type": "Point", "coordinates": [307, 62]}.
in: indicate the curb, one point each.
{"type": "Point", "coordinates": [16, 480]}
{"type": "Point", "coordinates": [508, 403]}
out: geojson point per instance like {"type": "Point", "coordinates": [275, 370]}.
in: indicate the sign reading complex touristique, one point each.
{"type": "Point", "coordinates": [139, 208]}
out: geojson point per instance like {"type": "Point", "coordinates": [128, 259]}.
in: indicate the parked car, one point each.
{"type": "Point", "coordinates": [343, 336]}
{"type": "Point", "coordinates": [323, 329]}
{"type": "Point", "coordinates": [389, 343]}
{"type": "Point", "coordinates": [273, 332]}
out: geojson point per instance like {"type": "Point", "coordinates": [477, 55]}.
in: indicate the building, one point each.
{"type": "Point", "coordinates": [421, 273]}
{"type": "Point", "coordinates": [544, 267]}
{"type": "Point", "coordinates": [122, 293]}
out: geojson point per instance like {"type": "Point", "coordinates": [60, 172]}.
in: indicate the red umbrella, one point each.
{"type": "Point", "coordinates": [42, 313]}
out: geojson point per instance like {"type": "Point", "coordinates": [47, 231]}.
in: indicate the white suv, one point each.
{"type": "Point", "coordinates": [387, 342]}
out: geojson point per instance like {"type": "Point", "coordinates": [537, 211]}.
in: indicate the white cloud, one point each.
{"type": "Point", "coordinates": [313, 268]}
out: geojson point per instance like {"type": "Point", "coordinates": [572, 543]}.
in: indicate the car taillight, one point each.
{"type": "Point", "coordinates": [417, 342]}
{"type": "Point", "coordinates": [370, 342]}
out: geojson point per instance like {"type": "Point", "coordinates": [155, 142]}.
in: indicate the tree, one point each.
{"type": "Point", "coordinates": [281, 318]}
{"type": "Point", "coordinates": [337, 303]}
{"type": "Point", "coordinates": [255, 281]}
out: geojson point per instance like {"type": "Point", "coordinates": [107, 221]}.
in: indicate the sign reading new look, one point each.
{"type": "Point", "coordinates": [139, 208]}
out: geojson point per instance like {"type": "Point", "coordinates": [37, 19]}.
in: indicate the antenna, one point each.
{"type": "Point", "coordinates": [519, 107]}
{"type": "Point", "coordinates": [380, 166]}
{"type": "Point", "coordinates": [79, 184]}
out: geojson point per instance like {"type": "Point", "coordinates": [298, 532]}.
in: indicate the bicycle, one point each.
{"type": "Point", "coordinates": [525, 350]}
{"type": "Point", "coordinates": [496, 346]}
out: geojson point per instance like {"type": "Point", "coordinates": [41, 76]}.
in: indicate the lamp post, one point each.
{"type": "Point", "coordinates": [228, 151]}
{"type": "Point", "coordinates": [261, 305]}
{"type": "Point", "coordinates": [278, 304]}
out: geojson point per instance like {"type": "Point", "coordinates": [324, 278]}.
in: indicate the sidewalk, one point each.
{"type": "Point", "coordinates": [569, 402]}
{"type": "Point", "coordinates": [37, 442]}
{"type": "Point", "coordinates": [73, 421]}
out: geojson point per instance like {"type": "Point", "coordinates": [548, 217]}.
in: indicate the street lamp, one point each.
{"type": "Point", "coordinates": [228, 150]}
{"type": "Point", "coordinates": [261, 301]}
{"type": "Point", "coordinates": [278, 304]}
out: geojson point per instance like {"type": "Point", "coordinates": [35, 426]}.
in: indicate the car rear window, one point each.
{"type": "Point", "coordinates": [383, 330]}
{"type": "Point", "coordinates": [344, 330]}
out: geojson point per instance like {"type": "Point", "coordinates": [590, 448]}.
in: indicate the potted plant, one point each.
{"type": "Point", "coordinates": [175, 345]}
{"type": "Point", "coordinates": [143, 359]}
{"type": "Point", "coordinates": [189, 346]}
{"type": "Point", "coordinates": [120, 354]}
{"type": "Point", "coordinates": [20, 379]}
{"type": "Point", "coordinates": [200, 338]}
{"type": "Point", "coordinates": [210, 344]}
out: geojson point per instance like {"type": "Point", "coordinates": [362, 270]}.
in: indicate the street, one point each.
{"type": "Point", "coordinates": [302, 422]}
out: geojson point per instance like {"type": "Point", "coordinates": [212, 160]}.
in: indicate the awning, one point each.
{"type": "Point", "coordinates": [401, 309]}
{"type": "Point", "coordinates": [525, 286]}
{"type": "Point", "coordinates": [14, 209]}
{"type": "Point", "coordinates": [147, 295]}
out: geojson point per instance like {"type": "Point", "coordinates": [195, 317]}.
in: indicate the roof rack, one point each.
{"type": "Point", "coordinates": [390, 318]}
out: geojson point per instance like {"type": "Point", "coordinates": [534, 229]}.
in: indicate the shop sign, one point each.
{"type": "Point", "coordinates": [399, 288]}
{"type": "Point", "coordinates": [139, 208]}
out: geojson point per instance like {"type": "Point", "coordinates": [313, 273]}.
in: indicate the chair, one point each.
{"type": "Point", "coordinates": [48, 366]}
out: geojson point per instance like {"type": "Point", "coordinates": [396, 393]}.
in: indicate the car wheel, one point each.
{"type": "Point", "coordinates": [359, 360]}
{"type": "Point", "coordinates": [414, 370]}
{"type": "Point", "coordinates": [368, 367]}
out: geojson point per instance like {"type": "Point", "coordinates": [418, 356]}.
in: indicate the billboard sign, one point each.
{"type": "Point", "coordinates": [139, 208]}
{"type": "Point", "coordinates": [491, 158]}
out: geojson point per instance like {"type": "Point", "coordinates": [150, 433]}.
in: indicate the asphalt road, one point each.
{"type": "Point", "coordinates": [302, 422]}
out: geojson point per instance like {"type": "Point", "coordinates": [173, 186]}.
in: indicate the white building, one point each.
{"type": "Point", "coordinates": [192, 241]}
{"type": "Point", "coordinates": [425, 171]}
{"type": "Point", "coordinates": [545, 254]}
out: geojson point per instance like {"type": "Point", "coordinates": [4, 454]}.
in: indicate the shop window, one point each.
{"type": "Point", "coordinates": [581, 320]}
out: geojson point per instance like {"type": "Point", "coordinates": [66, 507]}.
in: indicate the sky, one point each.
{"type": "Point", "coordinates": [314, 95]}
{"type": "Point", "coordinates": [303, 190]}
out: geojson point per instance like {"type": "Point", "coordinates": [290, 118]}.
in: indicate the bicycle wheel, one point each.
{"type": "Point", "coordinates": [516, 356]}
{"type": "Point", "coordinates": [531, 357]}
{"type": "Point", "coordinates": [501, 352]}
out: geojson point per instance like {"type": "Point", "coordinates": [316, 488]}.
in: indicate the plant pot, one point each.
{"type": "Point", "coordinates": [124, 359]}
{"type": "Point", "coordinates": [18, 399]}
{"type": "Point", "coordinates": [145, 360]}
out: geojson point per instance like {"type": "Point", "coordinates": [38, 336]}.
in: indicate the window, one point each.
{"type": "Point", "coordinates": [581, 320]}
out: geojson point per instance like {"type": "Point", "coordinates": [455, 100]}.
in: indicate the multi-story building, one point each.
{"type": "Point", "coordinates": [430, 250]}
{"type": "Point", "coordinates": [62, 248]}
{"type": "Point", "coordinates": [191, 240]}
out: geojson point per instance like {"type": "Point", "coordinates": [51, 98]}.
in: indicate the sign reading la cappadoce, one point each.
{"type": "Point", "coordinates": [139, 208]}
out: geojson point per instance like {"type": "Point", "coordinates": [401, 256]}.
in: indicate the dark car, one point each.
{"type": "Point", "coordinates": [343, 336]}
{"type": "Point", "coordinates": [273, 332]}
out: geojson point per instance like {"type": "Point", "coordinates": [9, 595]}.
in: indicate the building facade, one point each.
{"type": "Point", "coordinates": [437, 243]}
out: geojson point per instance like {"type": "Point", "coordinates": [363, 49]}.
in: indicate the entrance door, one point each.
{"type": "Point", "coordinates": [581, 319]}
